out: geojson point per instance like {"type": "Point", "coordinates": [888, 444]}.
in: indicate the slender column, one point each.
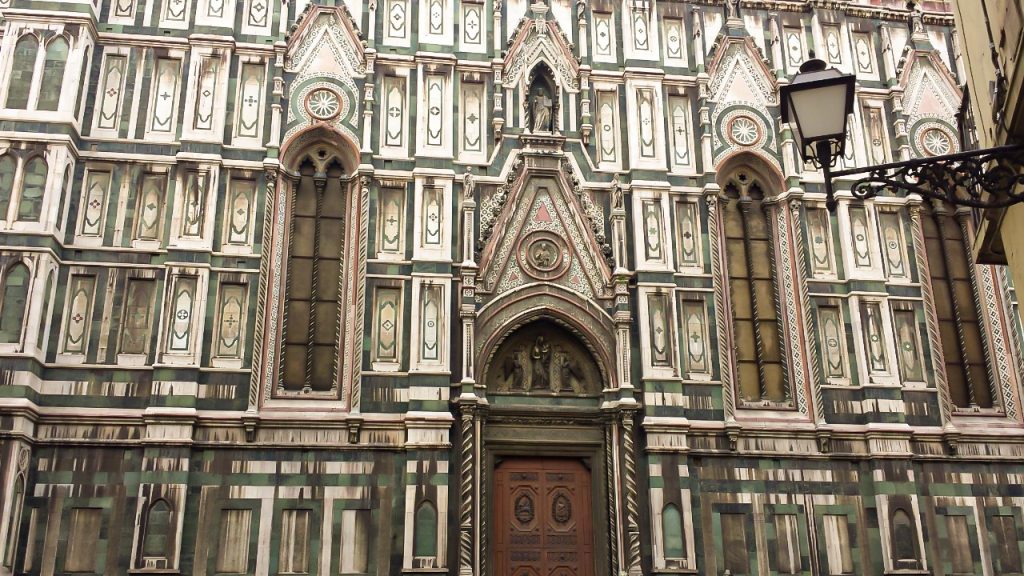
{"type": "Point", "coordinates": [632, 510]}
{"type": "Point", "coordinates": [800, 247]}
{"type": "Point", "coordinates": [720, 280]}
{"type": "Point", "coordinates": [466, 491]}
{"type": "Point", "coordinates": [612, 497]}
{"type": "Point", "coordinates": [939, 212]}
{"type": "Point", "coordinates": [319, 183]}
{"type": "Point", "coordinates": [963, 219]}
{"type": "Point", "coordinates": [270, 178]}
{"type": "Point", "coordinates": [780, 306]}
{"type": "Point", "coordinates": [744, 206]}
{"type": "Point", "coordinates": [932, 323]}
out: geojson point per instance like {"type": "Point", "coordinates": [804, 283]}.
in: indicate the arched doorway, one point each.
{"type": "Point", "coordinates": [547, 449]}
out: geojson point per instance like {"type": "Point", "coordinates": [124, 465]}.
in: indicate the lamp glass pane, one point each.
{"type": "Point", "coordinates": [821, 111]}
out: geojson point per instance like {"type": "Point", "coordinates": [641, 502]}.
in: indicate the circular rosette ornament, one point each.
{"type": "Point", "coordinates": [323, 104]}
{"type": "Point", "coordinates": [544, 255]}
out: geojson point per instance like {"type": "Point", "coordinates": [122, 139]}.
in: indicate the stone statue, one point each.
{"type": "Point", "coordinates": [541, 107]}
{"type": "Point", "coordinates": [732, 8]}
{"type": "Point", "coordinates": [514, 373]}
{"type": "Point", "coordinates": [581, 10]}
{"type": "Point", "coordinates": [616, 193]}
{"type": "Point", "coordinates": [540, 356]}
{"type": "Point", "coordinates": [468, 184]}
{"type": "Point", "coordinates": [568, 371]}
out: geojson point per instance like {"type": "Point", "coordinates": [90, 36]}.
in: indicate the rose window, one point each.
{"type": "Point", "coordinates": [936, 142]}
{"type": "Point", "coordinates": [744, 131]}
{"type": "Point", "coordinates": [323, 104]}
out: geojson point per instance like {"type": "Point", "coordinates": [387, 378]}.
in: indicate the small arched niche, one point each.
{"type": "Point", "coordinates": [542, 100]}
{"type": "Point", "coordinates": [543, 358]}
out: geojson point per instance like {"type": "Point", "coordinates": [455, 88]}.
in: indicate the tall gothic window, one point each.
{"type": "Point", "coordinates": [53, 74]}
{"type": "Point", "coordinates": [952, 276]}
{"type": "Point", "coordinates": [315, 271]}
{"type": "Point", "coordinates": [761, 377]}
{"type": "Point", "coordinates": [33, 187]}
{"type": "Point", "coordinates": [23, 68]}
{"type": "Point", "coordinates": [8, 167]}
{"type": "Point", "coordinates": [13, 301]}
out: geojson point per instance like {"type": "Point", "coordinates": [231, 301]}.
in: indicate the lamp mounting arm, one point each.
{"type": "Point", "coordinates": [988, 178]}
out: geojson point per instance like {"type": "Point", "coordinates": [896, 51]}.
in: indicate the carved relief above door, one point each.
{"type": "Point", "coordinates": [543, 358]}
{"type": "Point", "coordinates": [543, 518]}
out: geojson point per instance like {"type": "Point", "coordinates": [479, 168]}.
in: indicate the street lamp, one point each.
{"type": "Point", "coordinates": [818, 102]}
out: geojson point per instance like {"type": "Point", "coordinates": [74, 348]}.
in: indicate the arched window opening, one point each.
{"type": "Point", "coordinates": [314, 281]}
{"type": "Point", "coordinates": [672, 532]}
{"type": "Point", "coordinates": [904, 540]}
{"type": "Point", "coordinates": [14, 522]}
{"type": "Point", "coordinates": [23, 68]}
{"type": "Point", "coordinates": [13, 303]}
{"type": "Point", "coordinates": [44, 313]}
{"type": "Point", "coordinates": [30, 206]}
{"type": "Point", "coordinates": [8, 167]}
{"type": "Point", "coordinates": [425, 531]}
{"type": "Point", "coordinates": [53, 74]}
{"type": "Point", "coordinates": [761, 378]}
{"type": "Point", "coordinates": [157, 536]}
{"type": "Point", "coordinates": [948, 247]}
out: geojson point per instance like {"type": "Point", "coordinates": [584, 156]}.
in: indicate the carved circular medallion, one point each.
{"type": "Point", "coordinates": [524, 509]}
{"type": "Point", "coordinates": [935, 141]}
{"type": "Point", "coordinates": [323, 104]}
{"type": "Point", "coordinates": [544, 255]}
{"type": "Point", "coordinates": [744, 130]}
{"type": "Point", "coordinates": [561, 509]}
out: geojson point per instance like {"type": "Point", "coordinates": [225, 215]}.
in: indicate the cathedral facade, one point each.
{"type": "Point", "coordinates": [489, 288]}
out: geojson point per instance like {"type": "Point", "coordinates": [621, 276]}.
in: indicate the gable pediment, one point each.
{"type": "Point", "coordinates": [738, 74]}
{"type": "Point", "coordinates": [544, 234]}
{"type": "Point", "coordinates": [929, 88]}
{"type": "Point", "coordinates": [537, 39]}
{"type": "Point", "coordinates": [325, 40]}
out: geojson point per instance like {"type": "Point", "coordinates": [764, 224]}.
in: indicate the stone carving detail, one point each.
{"type": "Point", "coordinates": [561, 509]}
{"type": "Point", "coordinates": [524, 509]}
{"type": "Point", "coordinates": [544, 358]}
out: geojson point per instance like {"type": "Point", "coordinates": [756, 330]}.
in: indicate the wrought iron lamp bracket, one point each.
{"type": "Point", "coordinates": [989, 178]}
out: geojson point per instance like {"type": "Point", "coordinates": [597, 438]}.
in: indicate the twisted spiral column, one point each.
{"type": "Point", "coordinates": [721, 284]}
{"type": "Point", "coordinates": [932, 323]}
{"type": "Point", "coordinates": [270, 176]}
{"type": "Point", "coordinates": [466, 493]}
{"type": "Point", "coordinates": [612, 496]}
{"type": "Point", "coordinates": [632, 510]}
{"type": "Point", "coordinates": [799, 245]}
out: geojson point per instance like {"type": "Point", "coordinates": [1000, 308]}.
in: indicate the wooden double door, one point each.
{"type": "Point", "coordinates": [543, 523]}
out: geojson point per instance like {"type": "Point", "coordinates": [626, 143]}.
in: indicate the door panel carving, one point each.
{"type": "Point", "coordinates": [543, 518]}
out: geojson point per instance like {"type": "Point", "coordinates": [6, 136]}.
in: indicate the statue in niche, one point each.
{"type": "Point", "coordinates": [540, 357]}
{"type": "Point", "coordinates": [541, 103]}
{"type": "Point", "coordinates": [541, 110]}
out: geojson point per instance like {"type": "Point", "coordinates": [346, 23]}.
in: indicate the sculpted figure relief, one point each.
{"type": "Point", "coordinates": [543, 358]}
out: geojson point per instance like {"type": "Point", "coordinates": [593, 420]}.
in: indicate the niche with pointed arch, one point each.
{"type": "Point", "coordinates": [543, 358]}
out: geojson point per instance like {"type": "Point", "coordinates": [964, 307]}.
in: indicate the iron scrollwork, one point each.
{"type": "Point", "coordinates": [989, 178]}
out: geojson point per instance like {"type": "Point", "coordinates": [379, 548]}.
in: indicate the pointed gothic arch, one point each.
{"type": "Point", "coordinates": [312, 331]}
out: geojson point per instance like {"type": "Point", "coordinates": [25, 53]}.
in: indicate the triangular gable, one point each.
{"type": "Point", "coordinates": [325, 38]}
{"type": "Point", "coordinates": [929, 89]}
{"type": "Point", "coordinates": [325, 52]}
{"type": "Point", "coordinates": [537, 38]}
{"type": "Point", "coordinates": [738, 74]}
{"type": "Point", "coordinates": [542, 235]}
